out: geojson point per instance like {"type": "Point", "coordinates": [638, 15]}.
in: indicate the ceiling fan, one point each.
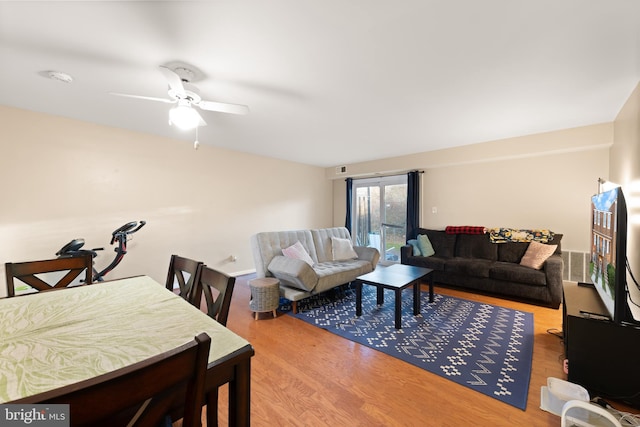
{"type": "Point", "coordinates": [186, 96]}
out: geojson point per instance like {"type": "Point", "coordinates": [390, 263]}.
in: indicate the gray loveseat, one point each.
{"type": "Point", "coordinates": [298, 279]}
{"type": "Point", "coordinates": [474, 262]}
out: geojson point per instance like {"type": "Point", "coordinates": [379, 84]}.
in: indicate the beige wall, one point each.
{"type": "Point", "coordinates": [625, 170]}
{"type": "Point", "coordinates": [536, 181]}
{"type": "Point", "coordinates": [64, 179]}
{"type": "Point", "coordinates": [625, 166]}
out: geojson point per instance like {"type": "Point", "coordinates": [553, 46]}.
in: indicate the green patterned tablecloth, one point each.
{"type": "Point", "coordinates": [56, 338]}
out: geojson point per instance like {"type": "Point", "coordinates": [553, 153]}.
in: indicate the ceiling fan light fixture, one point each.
{"type": "Point", "coordinates": [184, 117]}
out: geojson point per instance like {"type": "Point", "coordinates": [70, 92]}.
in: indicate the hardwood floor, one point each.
{"type": "Point", "coordinates": [305, 376]}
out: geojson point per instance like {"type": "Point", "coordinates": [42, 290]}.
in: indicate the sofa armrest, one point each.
{"type": "Point", "coordinates": [293, 272]}
{"type": "Point", "coordinates": [553, 268]}
{"type": "Point", "coordinates": [366, 253]}
{"type": "Point", "coordinates": [405, 252]}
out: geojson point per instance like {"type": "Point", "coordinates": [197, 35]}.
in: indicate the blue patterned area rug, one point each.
{"type": "Point", "coordinates": [481, 346]}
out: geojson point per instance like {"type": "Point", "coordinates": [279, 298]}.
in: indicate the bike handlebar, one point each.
{"type": "Point", "coordinates": [128, 228]}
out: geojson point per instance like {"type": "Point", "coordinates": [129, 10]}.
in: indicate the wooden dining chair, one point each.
{"type": "Point", "coordinates": [187, 273]}
{"type": "Point", "coordinates": [33, 273]}
{"type": "Point", "coordinates": [217, 289]}
{"type": "Point", "coordinates": [140, 395]}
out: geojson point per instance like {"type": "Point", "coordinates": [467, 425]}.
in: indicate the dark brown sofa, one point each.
{"type": "Point", "coordinates": [474, 262]}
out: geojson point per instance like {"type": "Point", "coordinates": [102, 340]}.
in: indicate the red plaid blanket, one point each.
{"type": "Point", "coordinates": [465, 229]}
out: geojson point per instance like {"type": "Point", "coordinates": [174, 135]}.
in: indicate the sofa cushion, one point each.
{"type": "Point", "coordinates": [434, 262]}
{"type": "Point", "coordinates": [537, 254]}
{"type": "Point", "coordinates": [475, 267]}
{"type": "Point", "coordinates": [293, 272]}
{"type": "Point", "coordinates": [334, 273]}
{"type": "Point", "coordinates": [511, 251]}
{"type": "Point", "coordinates": [476, 246]}
{"type": "Point", "coordinates": [517, 274]}
{"type": "Point", "coordinates": [426, 249]}
{"type": "Point", "coordinates": [297, 251]}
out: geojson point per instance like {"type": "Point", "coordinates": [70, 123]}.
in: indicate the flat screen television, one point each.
{"type": "Point", "coordinates": [609, 251]}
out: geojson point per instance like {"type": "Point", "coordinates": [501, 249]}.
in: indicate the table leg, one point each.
{"type": "Point", "coordinates": [240, 395]}
{"type": "Point", "coordinates": [379, 295]}
{"type": "Point", "coordinates": [398, 308]}
{"type": "Point", "coordinates": [358, 298]}
{"type": "Point", "coordinates": [430, 281]}
{"type": "Point", "coordinates": [416, 298]}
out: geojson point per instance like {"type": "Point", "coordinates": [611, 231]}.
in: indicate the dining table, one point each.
{"type": "Point", "coordinates": [56, 338]}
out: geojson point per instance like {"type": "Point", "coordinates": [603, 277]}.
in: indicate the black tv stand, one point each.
{"type": "Point", "coordinates": [602, 355]}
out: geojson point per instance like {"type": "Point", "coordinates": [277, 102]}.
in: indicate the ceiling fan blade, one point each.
{"type": "Point", "coordinates": [202, 122]}
{"type": "Point", "coordinates": [174, 80]}
{"type": "Point", "coordinates": [223, 107]}
{"type": "Point", "coordinates": [148, 98]}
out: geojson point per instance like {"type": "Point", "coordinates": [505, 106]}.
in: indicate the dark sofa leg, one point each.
{"type": "Point", "coordinates": [295, 306]}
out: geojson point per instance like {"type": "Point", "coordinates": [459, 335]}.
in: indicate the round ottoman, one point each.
{"type": "Point", "coordinates": [265, 295]}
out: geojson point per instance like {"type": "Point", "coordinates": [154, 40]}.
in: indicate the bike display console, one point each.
{"type": "Point", "coordinates": [603, 356]}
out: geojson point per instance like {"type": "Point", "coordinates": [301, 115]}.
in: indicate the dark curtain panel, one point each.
{"type": "Point", "coordinates": [347, 221]}
{"type": "Point", "coordinates": [413, 204]}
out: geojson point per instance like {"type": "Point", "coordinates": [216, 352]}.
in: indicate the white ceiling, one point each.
{"type": "Point", "coordinates": [330, 82]}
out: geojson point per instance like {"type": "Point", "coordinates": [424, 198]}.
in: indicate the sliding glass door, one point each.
{"type": "Point", "coordinates": [379, 207]}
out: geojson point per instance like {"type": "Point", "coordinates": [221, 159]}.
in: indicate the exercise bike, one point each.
{"type": "Point", "coordinates": [120, 235]}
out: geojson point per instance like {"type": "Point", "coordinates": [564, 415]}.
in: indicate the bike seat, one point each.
{"type": "Point", "coordinates": [71, 247]}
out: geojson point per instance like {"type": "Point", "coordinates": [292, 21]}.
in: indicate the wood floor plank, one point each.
{"type": "Point", "coordinates": [303, 375]}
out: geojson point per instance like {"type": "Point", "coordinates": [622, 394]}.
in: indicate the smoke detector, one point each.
{"type": "Point", "coordinates": [59, 76]}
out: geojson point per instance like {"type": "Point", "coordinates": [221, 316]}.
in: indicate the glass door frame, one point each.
{"type": "Point", "coordinates": [386, 228]}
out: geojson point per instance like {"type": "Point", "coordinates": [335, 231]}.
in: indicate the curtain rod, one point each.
{"type": "Point", "coordinates": [385, 175]}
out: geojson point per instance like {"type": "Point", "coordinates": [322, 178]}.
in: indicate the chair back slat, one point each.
{"type": "Point", "coordinates": [186, 272]}
{"type": "Point", "coordinates": [217, 288]}
{"type": "Point", "coordinates": [29, 272]}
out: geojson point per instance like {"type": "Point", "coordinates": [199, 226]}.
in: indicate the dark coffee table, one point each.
{"type": "Point", "coordinates": [396, 277]}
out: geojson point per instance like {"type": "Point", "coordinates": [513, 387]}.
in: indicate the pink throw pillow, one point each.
{"type": "Point", "coordinates": [298, 251]}
{"type": "Point", "coordinates": [537, 254]}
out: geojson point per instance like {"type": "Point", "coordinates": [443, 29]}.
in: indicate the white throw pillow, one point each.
{"type": "Point", "coordinates": [298, 251]}
{"type": "Point", "coordinates": [342, 249]}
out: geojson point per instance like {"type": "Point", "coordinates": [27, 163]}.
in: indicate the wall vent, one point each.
{"type": "Point", "coordinates": [576, 266]}
{"type": "Point", "coordinates": [341, 170]}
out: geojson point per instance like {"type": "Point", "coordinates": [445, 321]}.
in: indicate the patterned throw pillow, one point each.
{"type": "Point", "coordinates": [298, 251]}
{"type": "Point", "coordinates": [537, 254]}
{"type": "Point", "coordinates": [342, 249]}
{"type": "Point", "coordinates": [426, 249]}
